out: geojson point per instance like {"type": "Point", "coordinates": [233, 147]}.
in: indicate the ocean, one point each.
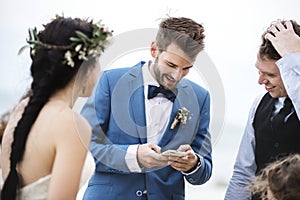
{"type": "Point", "coordinates": [225, 148]}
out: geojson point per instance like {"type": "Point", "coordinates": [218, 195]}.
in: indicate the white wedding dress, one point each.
{"type": "Point", "coordinates": [38, 190]}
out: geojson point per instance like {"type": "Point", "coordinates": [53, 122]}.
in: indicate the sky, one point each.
{"type": "Point", "coordinates": [233, 31]}
{"type": "Point", "coordinates": [232, 28]}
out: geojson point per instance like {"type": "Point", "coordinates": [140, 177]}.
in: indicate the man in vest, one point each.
{"type": "Point", "coordinates": [273, 127]}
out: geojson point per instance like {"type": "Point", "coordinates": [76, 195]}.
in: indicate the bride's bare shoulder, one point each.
{"type": "Point", "coordinates": [70, 124]}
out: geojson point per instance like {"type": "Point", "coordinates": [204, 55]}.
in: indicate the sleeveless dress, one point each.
{"type": "Point", "coordinates": [37, 190]}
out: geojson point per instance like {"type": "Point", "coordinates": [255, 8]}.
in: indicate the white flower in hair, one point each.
{"type": "Point", "coordinates": [68, 57]}
{"type": "Point", "coordinates": [81, 45]}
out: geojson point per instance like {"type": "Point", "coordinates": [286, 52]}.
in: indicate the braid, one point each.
{"type": "Point", "coordinates": [22, 130]}
{"type": "Point", "coordinates": [50, 73]}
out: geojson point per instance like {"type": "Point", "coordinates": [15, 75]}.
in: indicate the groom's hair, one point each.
{"type": "Point", "coordinates": [187, 34]}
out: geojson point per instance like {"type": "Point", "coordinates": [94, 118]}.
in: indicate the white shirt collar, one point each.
{"type": "Point", "coordinates": [281, 101]}
{"type": "Point", "coordinates": [148, 78]}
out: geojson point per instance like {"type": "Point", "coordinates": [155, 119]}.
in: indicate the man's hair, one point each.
{"type": "Point", "coordinates": [187, 34]}
{"type": "Point", "coordinates": [266, 49]}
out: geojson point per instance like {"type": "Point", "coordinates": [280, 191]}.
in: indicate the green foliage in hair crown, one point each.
{"type": "Point", "coordinates": [81, 45]}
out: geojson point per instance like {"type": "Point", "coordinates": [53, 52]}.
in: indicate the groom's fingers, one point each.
{"type": "Point", "coordinates": [184, 147]}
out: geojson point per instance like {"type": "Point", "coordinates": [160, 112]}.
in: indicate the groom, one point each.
{"type": "Point", "coordinates": [131, 113]}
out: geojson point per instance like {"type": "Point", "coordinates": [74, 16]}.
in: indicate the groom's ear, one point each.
{"type": "Point", "coordinates": [154, 50]}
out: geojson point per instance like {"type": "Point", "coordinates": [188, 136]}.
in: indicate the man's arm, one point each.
{"type": "Point", "coordinates": [287, 44]}
{"type": "Point", "coordinates": [284, 38]}
{"type": "Point", "coordinates": [202, 146]}
{"type": "Point", "coordinates": [108, 156]}
{"type": "Point", "coordinates": [245, 166]}
{"type": "Point", "coordinates": [289, 67]}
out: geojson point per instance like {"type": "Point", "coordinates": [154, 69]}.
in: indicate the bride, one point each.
{"type": "Point", "coordinates": [45, 143]}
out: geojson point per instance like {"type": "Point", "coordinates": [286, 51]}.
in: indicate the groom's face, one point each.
{"type": "Point", "coordinates": [170, 66]}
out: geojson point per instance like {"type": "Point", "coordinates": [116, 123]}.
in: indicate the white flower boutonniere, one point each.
{"type": "Point", "coordinates": [181, 117]}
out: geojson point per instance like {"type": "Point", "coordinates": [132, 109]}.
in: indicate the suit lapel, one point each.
{"type": "Point", "coordinates": [186, 97]}
{"type": "Point", "coordinates": [137, 102]}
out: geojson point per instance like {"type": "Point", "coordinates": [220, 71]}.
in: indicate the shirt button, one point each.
{"type": "Point", "coordinates": [276, 145]}
{"type": "Point", "coordinates": [139, 193]}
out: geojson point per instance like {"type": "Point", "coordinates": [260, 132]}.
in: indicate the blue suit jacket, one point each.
{"type": "Point", "coordinates": [116, 112]}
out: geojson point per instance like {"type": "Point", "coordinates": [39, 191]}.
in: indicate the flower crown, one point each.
{"type": "Point", "coordinates": [81, 45]}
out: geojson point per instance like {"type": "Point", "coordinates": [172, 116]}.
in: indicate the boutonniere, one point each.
{"type": "Point", "coordinates": [181, 117]}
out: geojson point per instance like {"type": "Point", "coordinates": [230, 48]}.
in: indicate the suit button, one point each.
{"type": "Point", "coordinates": [139, 193]}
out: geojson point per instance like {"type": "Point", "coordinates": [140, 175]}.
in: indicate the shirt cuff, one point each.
{"type": "Point", "coordinates": [131, 159]}
{"type": "Point", "coordinates": [199, 164]}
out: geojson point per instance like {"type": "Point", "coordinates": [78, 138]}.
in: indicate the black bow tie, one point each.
{"type": "Point", "coordinates": [154, 90]}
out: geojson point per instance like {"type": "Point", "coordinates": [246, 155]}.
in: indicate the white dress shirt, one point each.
{"type": "Point", "coordinates": [157, 111]}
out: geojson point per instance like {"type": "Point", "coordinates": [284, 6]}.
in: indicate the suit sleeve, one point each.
{"type": "Point", "coordinates": [108, 157]}
{"type": "Point", "coordinates": [202, 144]}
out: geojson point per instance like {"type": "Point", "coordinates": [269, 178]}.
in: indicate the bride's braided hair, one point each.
{"type": "Point", "coordinates": [50, 73]}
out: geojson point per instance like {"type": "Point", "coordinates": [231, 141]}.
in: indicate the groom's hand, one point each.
{"type": "Point", "coordinates": [187, 163]}
{"type": "Point", "coordinates": [149, 156]}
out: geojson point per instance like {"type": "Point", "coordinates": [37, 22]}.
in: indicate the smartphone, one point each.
{"type": "Point", "coordinates": [173, 153]}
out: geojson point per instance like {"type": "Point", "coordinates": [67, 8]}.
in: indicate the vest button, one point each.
{"type": "Point", "coordinates": [276, 145]}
